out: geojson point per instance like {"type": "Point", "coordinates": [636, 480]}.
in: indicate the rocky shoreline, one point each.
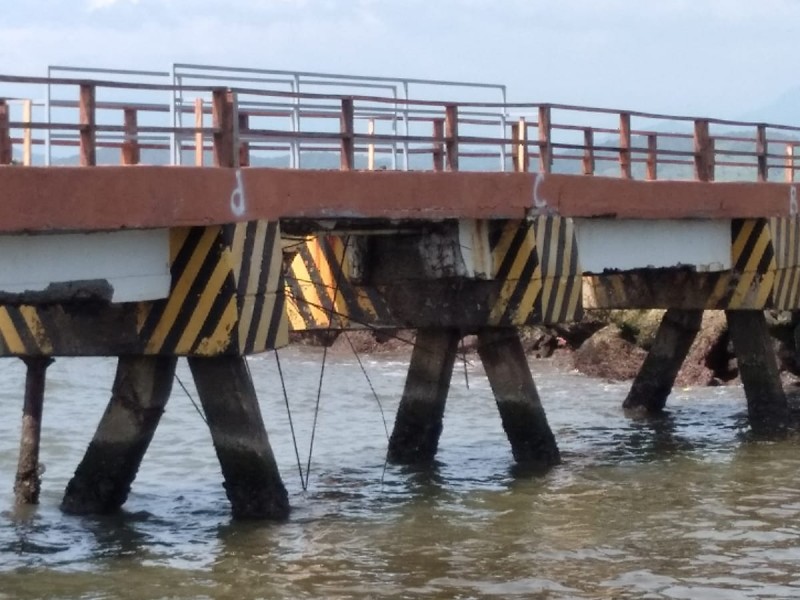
{"type": "Point", "coordinates": [606, 344]}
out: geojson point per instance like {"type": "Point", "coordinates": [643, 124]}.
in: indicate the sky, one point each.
{"type": "Point", "coordinates": [718, 58]}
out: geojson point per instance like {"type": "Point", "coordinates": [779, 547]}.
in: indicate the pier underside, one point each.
{"type": "Point", "coordinates": [238, 289]}
{"type": "Point", "coordinates": [763, 274]}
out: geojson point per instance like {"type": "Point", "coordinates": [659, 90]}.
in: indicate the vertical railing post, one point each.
{"type": "Point", "coordinates": [514, 144]}
{"type": "Point", "coordinates": [371, 146]}
{"type": "Point", "coordinates": [6, 149]}
{"type": "Point", "coordinates": [788, 163]}
{"type": "Point", "coordinates": [761, 152]}
{"type": "Point", "coordinates": [545, 141]}
{"type": "Point", "coordinates": [438, 145]}
{"type": "Point", "coordinates": [519, 135]}
{"type": "Point", "coordinates": [588, 151]}
{"type": "Point", "coordinates": [244, 146]}
{"type": "Point", "coordinates": [346, 129]}
{"type": "Point", "coordinates": [233, 107]}
{"type": "Point", "coordinates": [199, 142]}
{"type": "Point", "coordinates": [451, 136]}
{"type": "Point", "coordinates": [131, 154]}
{"type": "Point", "coordinates": [652, 157]}
{"type": "Point", "coordinates": [625, 145]}
{"type": "Point", "coordinates": [27, 134]}
{"type": "Point", "coordinates": [703, 151]}
{"type": "Point", "coordinates": [222, 112]}
{"type": "Point", "coordinates": [88, 130]}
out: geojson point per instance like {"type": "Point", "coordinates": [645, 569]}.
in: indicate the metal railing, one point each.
{"type": "Point", "coordinates": [194, 120]}
{"type": "Point", "coordinates": [393, 116]}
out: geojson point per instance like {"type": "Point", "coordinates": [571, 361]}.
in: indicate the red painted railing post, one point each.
{"type": "Point", "coordinates": [451, 136]}
{"type": "Point", "coordinates": [588, 151]}
{"type": "Point", "coordinates": [6, 148]}
{"type": "Point", "coordinates": [545, 142]}
{"type": "Point", "coordinates": [761, 152]}
{"type": "Point", "coordinates": [438, 145]}
{"type": "Point", "coordinates": [625, 145]}
{"type": "Point", "coordinates": [88, 130]}
{"type": "Point", "coordinates": [515, 146]}
{"type": "Point", "coordinates": [652, 157]}
{"type": "Point", "coordinates": [244, 146]}
{"type": "Point", "coordinates": [346, 129]}
{"type": "Point", "coordinates": [703, 151]}
{"type": "Point", "coordinates": [222, 110]}
{"type": "Point", "coordinates": [131, 154]}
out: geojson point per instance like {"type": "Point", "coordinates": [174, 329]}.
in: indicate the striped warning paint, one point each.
{"type": "Point", "coordinates": [561, 272]}
{"type": "Point", "coordinates": [22, 332]}
{"type": "Point", "coordinates": [786, 243]}
{"type": "Point", "coordinates": [258, 274]}
{"type": "Point", "coordinates": [321, 290]}
{"type": "Point", "coordinates": [226, 297]}
{"type": "Point", "coordinates": [753, 261]}
{"type": "Point", "coordinates": [537, 263]}
{"type": "Point", "coordinates": [658, 288]}
{"type": "Point", "coordinates": [226, 294]}
{"type": "Point", "coordinates": [513, 248]}
{"type": "Point", "coordinates": [200, 312]}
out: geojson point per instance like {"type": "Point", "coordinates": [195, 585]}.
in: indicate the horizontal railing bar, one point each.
{"type": "Point", "coordinates": [295, 94]}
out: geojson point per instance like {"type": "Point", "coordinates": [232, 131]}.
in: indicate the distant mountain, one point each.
{"type": "Point", "coordinates": [784, 110]}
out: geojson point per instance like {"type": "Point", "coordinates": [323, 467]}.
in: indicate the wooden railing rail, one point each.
{"type": "Point", "coordinates": [238, 125]}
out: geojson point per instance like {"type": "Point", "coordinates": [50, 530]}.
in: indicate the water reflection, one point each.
{"type": "Point", "coordinates": [657, 438]}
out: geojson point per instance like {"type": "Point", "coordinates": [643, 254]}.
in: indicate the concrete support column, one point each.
{"type": "Point", "coordinates": [252, 481]}
{"type": "Point", "coordinates": [653, 383]}
{"type": "Point", "coordinates": [796, 334]}
{"type": "Point", "coordinates": [418, 425]}
{"type": "Point", "coordinates": [103, 479]}
{"type": "Point", "coordinates": [27, 484]}
{"type": "Point", "coordinates": [758, 369]}
{"type": "Point", "coordinates": [524, 420]}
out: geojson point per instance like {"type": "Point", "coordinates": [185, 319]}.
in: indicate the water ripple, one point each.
{"type": "Point", "coordinates": [685, 506]}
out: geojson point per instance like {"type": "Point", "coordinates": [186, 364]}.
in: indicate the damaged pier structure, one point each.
{"type": "Point", "coordinates": [209, 238]}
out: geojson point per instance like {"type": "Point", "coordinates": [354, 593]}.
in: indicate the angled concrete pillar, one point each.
{"type": "Point", "coordinates": [27, 484]}
{"type": "Point", "coordinates": [653, 383]}
{"type": "Point", "coordinates": [252, 481]}
{"type": "Point", "coordinates": [524, 420]}
{"type": "Point", "coordinates": [758, 369]}
{"type": "Point", "coordinates": [103, 479]}
{"type": "Point", "coordinates": [418, 425]}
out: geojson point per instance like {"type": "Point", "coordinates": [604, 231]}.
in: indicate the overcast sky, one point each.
{"type": "Point", "coordinates": [722, 58]}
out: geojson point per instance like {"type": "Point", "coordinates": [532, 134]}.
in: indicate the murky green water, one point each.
{"type": "Point", "coordinates": [684, 508]}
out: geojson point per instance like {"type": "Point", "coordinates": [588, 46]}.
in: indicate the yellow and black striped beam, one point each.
{"type": "Point", "coordinates": [227, 293]}
{"type": "Point", "coordinates": [753, 266]}
{"type": "Point", "coordinates": [537, 264]}
{"type": "Point", "coordinates": [23, 333]}
{"type": "Point", "coordinates": [321, 291]}
{"type": "Point", "coordinates": [226, 297]}
{"type": "Point", "coordinates": [786, 242]}
{"type": "Point", "coordinates": [258, 273]}
{"type": "Point", "coordinates": [536, 278]}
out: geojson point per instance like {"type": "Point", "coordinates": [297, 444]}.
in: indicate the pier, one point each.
{"type": "Point", "coordinates": [207, 212]}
